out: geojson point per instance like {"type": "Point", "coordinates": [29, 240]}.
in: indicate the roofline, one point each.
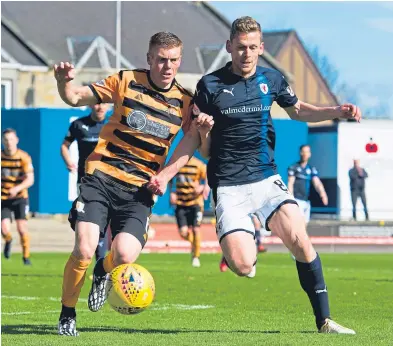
{"type": "Point", "coordinates": [216, 13]}
{"type": "Point", "coordinates": [319, 72]}
{"type": "Point", "coordinates": [287, 32]}
{"type": "Point", "coordinates": [14, 30]}
{"type": "Point", "coordinates": [270, 59]}
{"type": "Point", "coordinates": [8, 56]}
{"type": "Point", "coordinates": [294, 33]}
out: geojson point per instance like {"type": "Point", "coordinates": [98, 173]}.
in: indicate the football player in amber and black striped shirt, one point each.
{"type": "Point", "coordinates": [150, 108]}
{"type": "Point", "coordinates": [189, 196]}
{"type": "Point", "coordinates": [17, 175]}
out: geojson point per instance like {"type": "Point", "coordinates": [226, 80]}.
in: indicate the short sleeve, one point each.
{"type": "Point", "coordinates": [291, 171]}
{"type": "Point", "coordinates": [71, 134]}
{"type": "Point", "coordinates": [285, 95]}
{"type": "Point", "coordinates": [27, 164]}
{"type": "Point", "coordinates": [201, 100]}
{"type": "Point", "coordinates": [106, 89]}
{"type": "Point", "coordinates": [314, 172]}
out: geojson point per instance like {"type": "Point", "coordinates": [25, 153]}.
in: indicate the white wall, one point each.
{"type": "Point", "coordinates": [352, 140]}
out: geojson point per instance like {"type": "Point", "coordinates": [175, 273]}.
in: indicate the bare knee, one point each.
{"type": "Point", "coordinates": [240, 252]}
{"type": "Point", "coordinates": [86, 240]}
{"type": "Point", "coordinates": [303, 250]}
{"type": "Point", "coordinates": [21, 227]}
{"type": "Point", "coordinates": [83, 252]}
{"type": "Point", "coordinates": [125, 249]}
{"type": "Point", "coordinates": [123, 258]}
{"type": "Point", "coordinates": [241, 266]}
{"type": "Point", "coordinates": [183, 232]}
{"type": "Point", "coordinates": [196, 230]}
{"type": "Point", "coordinates": [288, 224]}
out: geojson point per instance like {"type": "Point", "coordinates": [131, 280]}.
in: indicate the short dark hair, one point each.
{"type": "Point", "coordinates": [8, 130]}
{"type": "Point", "coordinates": [166, 40]}
{"type": "Point", "coordinates": [245, 24]}
{"type": "Point", "coordinates": [303, 146]}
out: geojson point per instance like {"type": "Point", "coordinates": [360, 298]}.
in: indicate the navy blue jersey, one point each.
{"type": "Point", "coordinates": [86, 132]}
{"type": "Point", "coordinates": [243, 136]}
{"type": "Point", "coordinates": [303, 177]}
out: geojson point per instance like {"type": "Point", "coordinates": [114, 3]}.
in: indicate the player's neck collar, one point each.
{"type": "Point", "coordinates": [157, 87]}
{"type": "Point", "coordinates": [228, 66]}
{"type": "Point", "coordinates": [9, 154]}
{"type": "Point", "coordinates": [94, 121]}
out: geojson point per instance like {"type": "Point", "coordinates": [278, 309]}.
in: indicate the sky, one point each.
{"type": "Point", "coordinates": [357, 38]}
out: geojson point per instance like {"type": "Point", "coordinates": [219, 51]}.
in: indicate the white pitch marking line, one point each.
{"type": "Point", "coordinates": [38, 298]}
{"type": "Point", "coordinates": [34, 312]}
{"type": "Point", "coordinates": [156, 306]}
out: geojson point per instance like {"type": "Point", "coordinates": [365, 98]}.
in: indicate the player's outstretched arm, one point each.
{"type": "Point", "coordinates": [183, 153]}
{"type": "Point", "coordinates": [204, 149]}
{"type": "Point", "coordinates": [204, 124]}
{"type": "Point", "coordinates": [73, 95]}
{"type": "Point", "coordinates": [309, 113]}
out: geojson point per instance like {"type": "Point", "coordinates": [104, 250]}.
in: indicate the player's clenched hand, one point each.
{"type": "Point", "coordinates": [199, 188]}
{"type": "Point", "coordinates": [350, 111]}
{"type": "Point", "coordinates": [157, 185]}
{"type": "Point", "coordinates": [13, 191]}
{"type": "Point", "coordinates": [204, 123]}
{"type": "Point", "coordinates": [64, 72]}
{"type": "Point", "coordinates": [72, 168]}
{"type": "Point", "coordinates": [206, 192]}
{"type": "Point", "coordinates": [173, 198]}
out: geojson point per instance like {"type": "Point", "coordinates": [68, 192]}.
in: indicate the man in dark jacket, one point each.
{"type": "Point", "coordinates": [357, 176]}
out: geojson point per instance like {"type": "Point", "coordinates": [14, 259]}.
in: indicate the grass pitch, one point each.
{"type": "Point", "coordinates": [201, 306]}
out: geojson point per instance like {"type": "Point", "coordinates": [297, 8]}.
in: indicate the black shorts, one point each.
{"type": "Point", "coordinates": [189, 216]}
{"type": "Point", "coordinates": [102, 202]}
{"type": "Point", "coordinates": [18, 206]}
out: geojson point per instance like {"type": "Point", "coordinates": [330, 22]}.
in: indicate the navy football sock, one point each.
{"type": "Point", "coordinates": [67, 312]}
{"type": "Point", "coordinates": [258, 237]}
{"type": "Point", "coordinates": [101, 247]}
{"type": "Point", "coordinates": [99, 268]}
{"type": "Point", "coordinates": [313, 283]}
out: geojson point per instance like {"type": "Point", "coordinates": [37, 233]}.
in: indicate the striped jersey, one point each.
{"type": "Point", "coordinates": [13, 171]}
{"type": "Point", "coordinates": [134, 144]}
{"type": "Point", "coordinates": [187, 179]}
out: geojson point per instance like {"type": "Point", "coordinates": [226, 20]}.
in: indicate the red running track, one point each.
{"type": "Point", "coordinates": [166, 239]}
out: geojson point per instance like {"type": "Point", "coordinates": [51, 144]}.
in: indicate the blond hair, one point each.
{"type": "Point", "coordinates": [245, 25]}
{"type": "Point", "coordinates": [166, 40]}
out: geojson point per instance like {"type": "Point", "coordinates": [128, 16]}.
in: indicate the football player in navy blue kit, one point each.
{"type": "Point", "coordinates": [234, 128]}
{"type": "Point", "coordinates": [300, 176]}
{"type": "Point", "coordinates": [86, 131]}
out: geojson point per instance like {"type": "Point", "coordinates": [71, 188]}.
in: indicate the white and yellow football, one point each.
{"type": "Point", "coordinates": [130, 289]}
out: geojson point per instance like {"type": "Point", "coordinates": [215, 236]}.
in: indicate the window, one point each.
{"type": "Point", "coordinates": [6, 94]}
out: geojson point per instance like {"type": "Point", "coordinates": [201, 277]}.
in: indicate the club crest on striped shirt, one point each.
{"type": "Point", "coordinates": [136, 120]}
{"type": "Point", "coordinates": [264, 88]}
